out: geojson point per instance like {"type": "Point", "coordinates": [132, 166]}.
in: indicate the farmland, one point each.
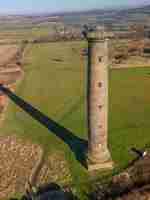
{"type": "Point", "coordinates": [43, 123]}
{"type": "Point", "coordinates": [55, 83]}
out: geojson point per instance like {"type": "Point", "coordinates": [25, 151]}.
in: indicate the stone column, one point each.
{"type": "Point", "coordinates": [98, 153]}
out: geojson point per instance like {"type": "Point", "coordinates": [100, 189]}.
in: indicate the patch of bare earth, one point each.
{"type": "Point", "coordinates": [17, 160]}
{"type": "Point", "coordinates": [132, 62]}
{"type": "Point", "coordinates": [7, 53]}
{"type": "Point", "coordinates": [126, 53]}
{"type": "Point", "coordinates": [19, 163]}
{"type": "Point", "coordinates": [10, 71]}
{"type": "Point", "coordinates": [55, 169]}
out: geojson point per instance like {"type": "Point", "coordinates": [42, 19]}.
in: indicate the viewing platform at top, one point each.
{"type": "Point", "coordinates": [98, 34]}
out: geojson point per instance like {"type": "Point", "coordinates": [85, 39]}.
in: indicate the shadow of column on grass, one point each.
{"type": "Point", "coordinates": [77, 145]}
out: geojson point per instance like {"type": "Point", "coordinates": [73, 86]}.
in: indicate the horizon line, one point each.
{"type": "Point", "coordinates": [65, 11]}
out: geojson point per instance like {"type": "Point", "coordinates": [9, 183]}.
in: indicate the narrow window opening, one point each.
{"type": "Point", "coordinates": [100, 106]}
{"type": "Point", "coordinates": [100, 59]}
{"type": "Point", "coordinates": [99, 84]}
{"type": "Point", "coordinates": [100, 126]}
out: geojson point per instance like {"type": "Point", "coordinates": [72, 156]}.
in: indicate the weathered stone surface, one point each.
{"type": "Point", "coordinates": [100, 166]}
{"type": "Point", "coordinates": [98, 152]}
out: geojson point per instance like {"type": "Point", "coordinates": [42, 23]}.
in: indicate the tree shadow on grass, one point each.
{"type": "Point", "coordinates": [77, 145]}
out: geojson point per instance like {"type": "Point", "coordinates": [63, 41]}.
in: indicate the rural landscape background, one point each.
{"type": "Point", "coordinates": [43, 61]}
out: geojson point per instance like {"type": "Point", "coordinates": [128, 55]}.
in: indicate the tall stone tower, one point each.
{"type": "Point", "coordinates": [98, 153]}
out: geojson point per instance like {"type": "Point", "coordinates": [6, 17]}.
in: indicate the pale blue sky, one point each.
{"type": "Point", "coordinates": [61, 5]}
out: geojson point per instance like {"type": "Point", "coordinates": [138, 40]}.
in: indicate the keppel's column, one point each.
{"type": "Point", "coordinates": [98, 153]}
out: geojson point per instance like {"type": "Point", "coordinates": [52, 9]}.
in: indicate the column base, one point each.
{"type": "Point", "coordinates": [99, 161]}
{"type": "Point", "coordinates": [101, 166]}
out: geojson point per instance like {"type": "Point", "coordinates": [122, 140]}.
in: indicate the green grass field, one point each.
{"type": "Point", "coordinates": [129, 113]}
{"type": "Point", "coordinates": [58, 89]}
{"type": "Point", "coordinates": [13, 33]}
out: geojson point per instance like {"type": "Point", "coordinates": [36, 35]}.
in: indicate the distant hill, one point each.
{"type": "Point", "coordinates": [140, 14]}
{"type": "Point", "coordinates": [96, 16]}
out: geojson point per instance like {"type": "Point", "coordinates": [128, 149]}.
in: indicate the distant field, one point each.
{"type": "Point", "coordinates": [7, 52]}
{"type": "Point", "coordinates": [55, 83]}
{"type": "Point", "coordinates": [16, 35]}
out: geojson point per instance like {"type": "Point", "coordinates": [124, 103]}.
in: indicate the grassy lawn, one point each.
{"type": "Point", "coordinates": [55, 83]}
{"type": "Point", "coordinates": [129, 118]}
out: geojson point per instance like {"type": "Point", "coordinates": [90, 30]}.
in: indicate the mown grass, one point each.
{"type": "Point", "coordinates": [58, 89]}
{"type": "Point", "coordinates": [129, 114]}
